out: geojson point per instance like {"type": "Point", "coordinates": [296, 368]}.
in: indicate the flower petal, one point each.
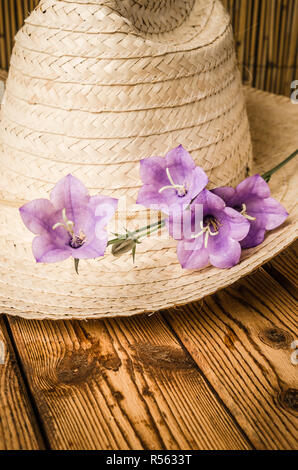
{"type": "Point", "coordinates": [239, 226]}
{"type": "Point", "coordinates": [70, 194]}
{"type": "Point", "coordinates": [94, 249]}
{"type": "Point", "coordinates": [180, 157]}
{"type": "Point", "coordinates": [85, 222]}
{"type": "Point", "coordinates": [104, 208]}
{"type": "Point", "coordinates": [254, 186]}
{"type": "Point", "coordinates": [268, 211]}
{"type": "Point", "coordinates": [225, 192]}
{"type": "Point", "coordinates": [47, 251]}
{"type": "Point", "coordinates": [150, 197]}
{"type": "Point", "coordinates": [181, 167]}
{"type": "Point", "coordinates": [199, 182]}
{"type": "Point", "coordinates": [255, 235]}
{"type": "Point", "coordinates": [184, 223]}
{"type": "Point", "coordinates": [174, 223]}
{"type": "Point", "coordinates": [224, 252]}
{"type": "Point", "coordinates": [38, 216]}
{"type": "Point", "coordinates": [211, 202]}
{"type": "Point", "coordinates": [153, 171]}
{"type": "Point", "coordinates": [192, 254]}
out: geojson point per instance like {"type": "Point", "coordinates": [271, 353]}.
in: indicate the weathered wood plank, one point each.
{"type": "Point", "coordinates": [284, 268]}
{"type": "Point", "coordinates": [18, 428]}
{"type": "Point", "coordinates": [241, 339]}
{"type": "Point", "coordinates": [121, 384]}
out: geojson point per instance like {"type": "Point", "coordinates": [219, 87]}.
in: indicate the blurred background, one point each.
{"type": "Point", "coordinates": [266, 37]}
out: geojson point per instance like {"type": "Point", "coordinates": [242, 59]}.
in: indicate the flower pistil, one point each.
{"type": "Point", "coordinates": [210, 222]}
{"type": "Point", "coordinates": [180, 188]}
{"type": "Point", "coordinates": [243, 212]}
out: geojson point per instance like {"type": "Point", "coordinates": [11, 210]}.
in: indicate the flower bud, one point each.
{"type": "Point", "coordinates": [123, 246]}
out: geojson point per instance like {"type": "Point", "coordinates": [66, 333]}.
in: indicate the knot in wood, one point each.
{"type": "Point", "coordinates": [289, 399]}
{"type": "Point", "coordinates": [276, 338]}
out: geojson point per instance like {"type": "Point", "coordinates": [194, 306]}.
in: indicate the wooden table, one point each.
{"type": "Point", "coordinates": [212, 375]}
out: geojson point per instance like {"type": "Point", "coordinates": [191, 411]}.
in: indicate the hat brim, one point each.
{"type": "Point", "coordinates": [114, 287]}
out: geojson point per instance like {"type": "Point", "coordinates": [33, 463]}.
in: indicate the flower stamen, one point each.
{"type": "Point", "coordinates": [245, 214]}
{"type": "Point", "coordinates": [68, 224]}
{"type": "Point", "coordinates": [76, 240]}
{"type": "Point", "coordinates": [207, 230]}
{"type": "Point", "coordinates": [181, 189]}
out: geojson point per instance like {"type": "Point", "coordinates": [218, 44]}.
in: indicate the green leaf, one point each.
{"type": "Point", "coordinates": [76, 263]}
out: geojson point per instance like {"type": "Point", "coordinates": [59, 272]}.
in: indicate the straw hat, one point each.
{"type": "Point", "coordinates": [95, 86]}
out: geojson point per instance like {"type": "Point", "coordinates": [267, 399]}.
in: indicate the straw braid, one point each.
{"type": "Point", "coordinates": [95, 174]}
{"type": "Point", "coordinates": [58, 148]}
{"type": "Point", "coordinates": [99, 98]}
{"type": "Point", "coordinates": [105, 125]}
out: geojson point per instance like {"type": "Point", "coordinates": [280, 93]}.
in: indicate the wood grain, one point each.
{"type": "Point", "coordinates": [241, 340]}
{"type": "Point", "coordinates": [121, 384]}
{"type": "Point", "coordinates": [18, 428]}
{"type": "Point", "coordinates": [284, 268]}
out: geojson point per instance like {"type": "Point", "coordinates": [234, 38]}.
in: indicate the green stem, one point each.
{"type": "Point", "coordinates": [148, 227]}
{"type": "Point", "coordinates": [152, 228]}
{"type": "Point", "coordinates": [266, 176]}
{"type": "Point", "coordinates": [138, 233]}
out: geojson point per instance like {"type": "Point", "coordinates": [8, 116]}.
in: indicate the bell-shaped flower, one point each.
{"type": "Point", "coordinates": [209, 233]}
{"type": "Point", "coordinates": [70, 224]}
{"type": "Point", "coordinates": [251, 198]}
{"type": "Point", "coordinates": [170, 181]}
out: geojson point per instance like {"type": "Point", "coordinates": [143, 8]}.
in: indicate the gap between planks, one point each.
{"type": "Point", "coordinates": [18, 425]}
{"type": "Point", "coordinates": [284, 269]}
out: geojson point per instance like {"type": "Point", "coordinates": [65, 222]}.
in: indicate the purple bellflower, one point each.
{"type": "Point", "coordinates": [170, 181]}
{"type": "Point", "coordinates": [252, 200]}
{"type": "Point", "coordinates": [71, 223]}
{"type": "Point", "coordinates": [213, 238]}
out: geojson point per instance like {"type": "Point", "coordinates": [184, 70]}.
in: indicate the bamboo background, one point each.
{"type": "Point", "coordinates": [266, 36]}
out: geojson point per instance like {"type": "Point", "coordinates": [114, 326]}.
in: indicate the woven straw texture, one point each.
{"type": "Point", "coordinates": [95, 86]}
{"type": "Point", "coordinates": [265, 32]}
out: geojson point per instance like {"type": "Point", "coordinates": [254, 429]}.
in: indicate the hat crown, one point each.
{"type": "Point", "coordinates": [95, 86]}
{"type": "Point", "coordinates": [154, 16]}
